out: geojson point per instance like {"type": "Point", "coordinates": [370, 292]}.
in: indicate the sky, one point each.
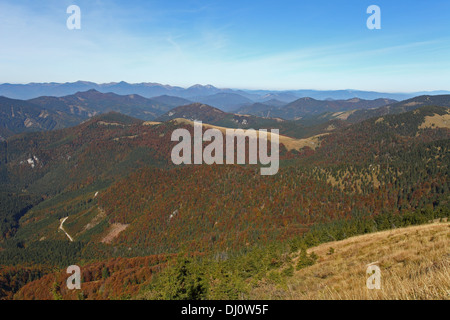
{"type": "Point", "coordinates": [246, 44]}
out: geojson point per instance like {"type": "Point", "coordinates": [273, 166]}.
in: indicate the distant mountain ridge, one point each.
{"type": "Point", "coordinates": [309, 106]}
{"type": "Point", "coordinates": [48, 113]}
{"type": "Point", "coordinates": [355, 116]}
{"type": "Point", "coordinates": [224, 101]}
{"type": "Point", "coordinates": [298, 119]}
{"type": "Point", "coordinates": [92, 102]}
{"type": "Point", "coordinates": [18, 116]}
{"type": "Point", "coordinates": [171, 101]}
{"type": "Point", "coordinates": [401, 107]}
{"type": "Point", "coordinates": [193, 112]}
{"type": "Point", "coordinates": [150, 89]}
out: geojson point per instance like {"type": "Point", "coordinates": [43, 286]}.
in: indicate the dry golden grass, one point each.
{"type": "Point", "coordinates": [151, 123]}
{"type": "Point", "coordinates": [288, 142]}
{"type": "Point", "coordinates": [343, 115]}
{"type": "Point", "coordinates": [414, 263]}
{"type": "Point", "coordinates": [436, 121]}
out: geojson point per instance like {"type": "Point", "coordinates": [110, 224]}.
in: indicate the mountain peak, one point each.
{"type": "Point", "coordinates": [199, 86]}
{"type": "Point", "coordinates": [88, 92]}
{"type": "Point", "coordinates": [194, 111]}
{"type": "Point", "coordinates": [198, 106]}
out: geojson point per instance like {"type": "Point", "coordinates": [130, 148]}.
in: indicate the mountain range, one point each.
{"type": "Point", "coordinates": [48, 113]}
{"type": "Point", "coordinates": [310, 107]}
{"type": "Point", "coordinates": [150, 90]}
{"type": "Point", "coordinates": [89, 103]}
{"type": "Point", "coordinates": [18, 116]}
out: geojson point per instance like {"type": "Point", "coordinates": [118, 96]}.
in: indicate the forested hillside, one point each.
{"type": "Point", "coordinates": [92, 102]}
{"type": "Point", "coordinates": [18, 116]}
{"type": "Point", "coordinates": [113, 179]}
{"type": "Point", "coordinates": [307, 107]}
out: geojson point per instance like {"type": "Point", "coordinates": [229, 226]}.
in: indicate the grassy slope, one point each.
{"type": "Point", "coordinates": [414, 263]}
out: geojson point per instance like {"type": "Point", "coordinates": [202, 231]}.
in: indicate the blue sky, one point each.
{"type": "Point", "coordinates": [237, 44]}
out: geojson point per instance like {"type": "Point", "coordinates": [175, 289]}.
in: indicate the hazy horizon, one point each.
{"type": "Point", "coordinates": [225, 88]}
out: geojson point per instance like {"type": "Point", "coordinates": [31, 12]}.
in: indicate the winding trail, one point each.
{"type": "Point", "coordinates": [62, 228]}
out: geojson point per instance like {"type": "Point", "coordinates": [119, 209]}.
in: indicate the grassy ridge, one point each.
{"type": "Point", "coordinates": [414, 264]}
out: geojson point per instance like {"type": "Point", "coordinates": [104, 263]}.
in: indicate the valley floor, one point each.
{"type": "Point", "coordinates": [414, 263]}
